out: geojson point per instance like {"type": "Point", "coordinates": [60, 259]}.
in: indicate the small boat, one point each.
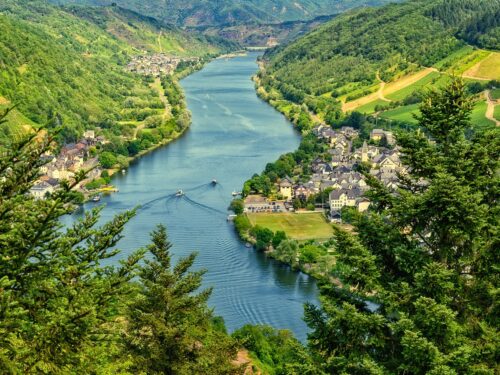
{"type": "Point", "coordinates": [214, 182]}
{"type": "Point", "coordinates": [248, 245]}
{"type": "Point", "coordinates": [231, 217]}
{"type": "Point", "coordinates": [96, 198]}
{"type": "Point", "coordinates": [124, 171]}
{"type": "Point", "coordinates": [236, 193]}
{"type": "Point", "coordinates": [179, 193]}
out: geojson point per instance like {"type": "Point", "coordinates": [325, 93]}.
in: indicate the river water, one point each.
{"type": "Point", "coordinates": [233, 135]}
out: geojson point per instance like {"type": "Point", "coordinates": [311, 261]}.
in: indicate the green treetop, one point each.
{"type": "Point", "coordinates": [427, 256]}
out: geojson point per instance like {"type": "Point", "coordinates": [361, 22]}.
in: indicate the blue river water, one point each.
{"type": "Point", "coordinates": [233, 135]}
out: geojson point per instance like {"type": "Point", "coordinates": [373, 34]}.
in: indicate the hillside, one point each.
{"type": "Point", "coordinates": [263, 35]}
{"type": "Point", "coordinates": [232, 12]}
{"type": "Point", "coordinates": [65, 67]}
{"type": "Point", "coordinates": [358, 58]}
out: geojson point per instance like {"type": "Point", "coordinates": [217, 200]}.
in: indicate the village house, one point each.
{"type": "Point", "coordinates": [343, 197]}
{"type": "Point", "coordinates": [156, 64]}
{"type": "Point", "coordinates": [302, 192]}
{"type": "Point", "coordinates": [71, 159]}
{"type": "Point", "coordinates": [347, 185]}
{"type": "Point", "coordinates": [286, 186]}
{"type": "Point", "coordinates": [379, 134]}
{"type": "Point", "coordinates": [41, 190]}
{"type": "Point", "coordinates": [260, 204]}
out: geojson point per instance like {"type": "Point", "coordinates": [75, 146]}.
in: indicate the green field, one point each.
{"type": "Point", "coordinates": [478, 118]}
{"type": "Point", "coordinates": [404, 114]}
{"type": "Point", "coordinates": [495, 94]}
{"type": "Point", "coordinates": [449, 61]}
{"type": "Point", "coordinates": [434, 78]}
{"type": "Point", "coordinates": [468, 62]}
{"type": "Point", "coordinates": [297, 226]}
{"type": "Point", "coordinates": [489, 67]}
{"type": "Point", "coordinates": [370, 107]}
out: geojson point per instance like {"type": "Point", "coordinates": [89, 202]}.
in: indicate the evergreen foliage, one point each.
{"type": "Point", "coordinates": [57, 300]}
{"type": "Point", "coordinates": [427, 256]}
{"type": "Point", "coordinates": [65, 310]}
{"type": "Point", "coordinates": [170, 327]}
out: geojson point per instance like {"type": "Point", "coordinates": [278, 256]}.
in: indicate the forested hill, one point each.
{"type": "Point", "coordinates": [232, 12]}
{"type": "Point", "coordinates": [356, 53]}
{"type": "Point", "coordinates": [70, 62]}
{"type": "Point", "coordinates": [390, 40]}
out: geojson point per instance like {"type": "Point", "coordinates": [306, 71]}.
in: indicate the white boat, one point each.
{"type": "Point", "coordinates": [179, 193]}
{"type": "Point", "coordinates": [214, 182]}
{"type": "Point", "coordinates": [236, 193]}
{"type": "Point", "coordinates": [96, 198]}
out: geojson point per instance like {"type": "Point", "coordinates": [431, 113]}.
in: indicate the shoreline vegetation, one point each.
{"type": "Point", "coordinates": [180, 113]}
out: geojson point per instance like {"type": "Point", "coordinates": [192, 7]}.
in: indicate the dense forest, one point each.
{"type": "Point", "coordinates": [349, 56]}
{"type": "Point", "coordinates": [225, 12]}
{"type": "Point", "coordinates": [477, 22]}
{"type": "Point", "coordinates": [66, 66]}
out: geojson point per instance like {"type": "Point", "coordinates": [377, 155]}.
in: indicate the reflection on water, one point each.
{"type": "Point", "coordinates": [233, 135]}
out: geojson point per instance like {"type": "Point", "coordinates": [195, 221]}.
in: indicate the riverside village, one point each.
{"type": "Point", "coordinates": [338, 175]}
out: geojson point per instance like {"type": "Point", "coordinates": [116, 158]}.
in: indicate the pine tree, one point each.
{"type": "Point", "coordinates": [170, 327]}
{"type": "Point", "coordinates": [57, 300]}
{"type": "Point", "coordinates": [426, 256]}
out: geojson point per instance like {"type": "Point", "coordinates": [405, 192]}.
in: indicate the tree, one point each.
{"type": "Point", "coordinates": [426, 256]}
{"type": "Point", "coordinates": [278, 351]}
{"type": "Point", "coordinates": [57, 301]}
{"type": "Point", "coordinates": [279, 237]}
{"type": "Point", "coordinates": [170, 329]}
{"type": "Point", "coordinates": [107, 159]}
{"type": "Point", "coordinates": [287, 251]}
{"type": "Point", "coordinates": [237, 206]}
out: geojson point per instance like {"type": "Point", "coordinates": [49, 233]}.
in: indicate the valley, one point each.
{"type": "Point", "coordinates": [352, 229]}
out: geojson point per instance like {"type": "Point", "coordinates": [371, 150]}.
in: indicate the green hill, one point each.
{"type": "Point", "coordinates": [232, 12]}
{"type": "Point", "coordinates": [66, 66]}
{"type": "Point", "coordinates": [356, 54]}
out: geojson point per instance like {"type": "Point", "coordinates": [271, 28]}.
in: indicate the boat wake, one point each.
{"type": "Point", "coordinates": [203, 206]}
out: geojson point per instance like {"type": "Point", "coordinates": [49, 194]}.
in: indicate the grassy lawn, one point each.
{"type": "Point", "coordinates": [297, 226]}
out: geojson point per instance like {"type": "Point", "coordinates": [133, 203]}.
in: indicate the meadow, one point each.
{"type": "Point", "coordinates": [297, 226]}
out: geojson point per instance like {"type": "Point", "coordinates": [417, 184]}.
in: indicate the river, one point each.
{"type": "Point", "coordinates": [233, 135]}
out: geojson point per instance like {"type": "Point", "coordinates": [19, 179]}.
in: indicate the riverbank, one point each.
{"type": "Point", "coordinates": [182, 111]}
{"type": "Point", "coordinates": [314, 257]}
{"type": "Point", "coordinates": [228, 139]}
{"type": "Point", "coordinates": [302, 119]}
